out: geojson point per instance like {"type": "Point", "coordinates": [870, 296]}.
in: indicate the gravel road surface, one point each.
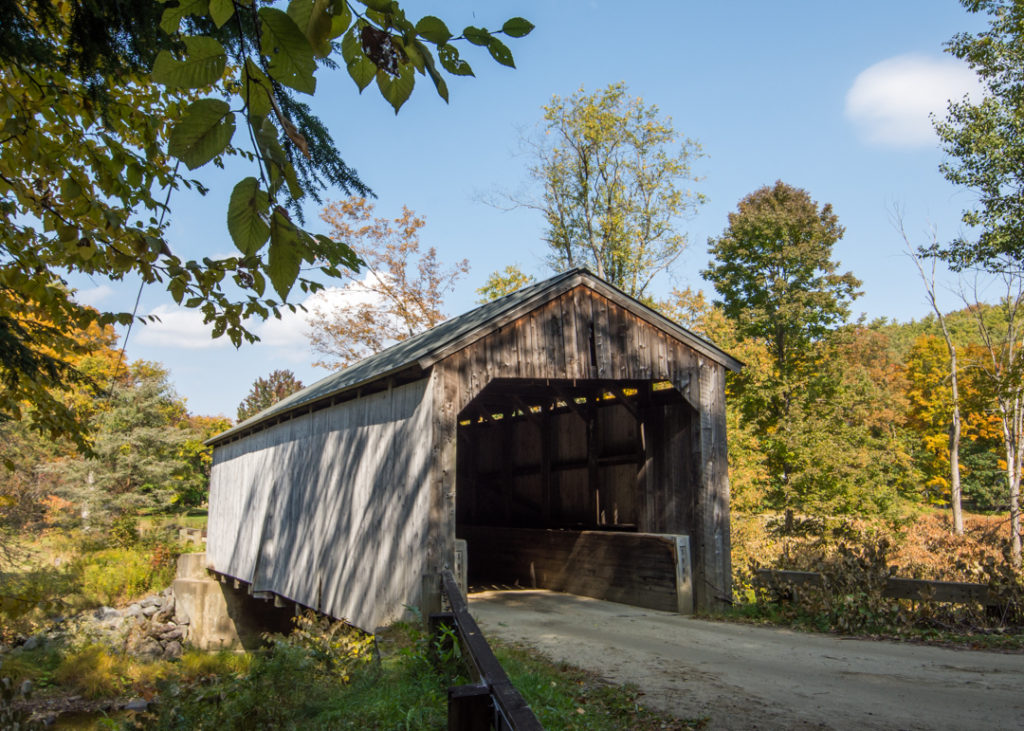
{"type": "Point", "coordinates": [752, 677]}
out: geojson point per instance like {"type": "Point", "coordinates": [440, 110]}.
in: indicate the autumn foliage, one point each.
{"type": "Point", "coordinates": [398, 292]}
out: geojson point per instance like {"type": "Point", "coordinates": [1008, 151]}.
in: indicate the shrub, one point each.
{"type": "Point", "coordinates": [116, 575]}
{"type": "Point", "coordinates": [94, 671]}
{"type": "Point", "coordinates": [124, 531]}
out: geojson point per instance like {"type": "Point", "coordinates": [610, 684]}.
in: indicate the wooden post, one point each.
{"type": "Point", "coordinates": [470, 708]}
{"type": "Point", "coordinates": [430, 596]}
{"type": "Point", "coordinates": [593, 475]}
{"type": "Point", "coordinates": [545, 464]}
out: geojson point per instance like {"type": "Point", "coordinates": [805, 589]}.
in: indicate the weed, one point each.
{"type": "Point", "coordinates": [565, 697]}
{"type": "Point", "coordinates": [94, 671]}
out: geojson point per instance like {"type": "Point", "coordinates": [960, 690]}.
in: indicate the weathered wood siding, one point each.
{"type": "Point", "coordinates": [584, 335]}
{"type": "Point", "coordinates": [330, 508]}
{"type": "Point", "coordinates": [632, 568]}
{"type": "Point", "coordinates": [536, 470]}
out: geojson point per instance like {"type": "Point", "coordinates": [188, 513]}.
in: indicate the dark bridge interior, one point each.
{"type": "Point", "coordinates": [557, 480]}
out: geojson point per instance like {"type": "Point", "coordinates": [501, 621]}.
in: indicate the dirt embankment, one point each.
{"type": "Point", "coordinates": [747, 677]}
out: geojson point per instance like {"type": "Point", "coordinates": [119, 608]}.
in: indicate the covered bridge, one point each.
{"type": "Point", "coordinates": [572, 437]}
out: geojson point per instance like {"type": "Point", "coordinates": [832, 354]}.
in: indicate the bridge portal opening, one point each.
{"type": "Point", "coordinates": [587, 487]}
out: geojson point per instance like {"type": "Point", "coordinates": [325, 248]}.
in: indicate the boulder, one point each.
{"type": "Point", "coordinates": [145, 648]}
{"type": "Point", "coordinates": [172, 634]}
{"type": "Point", "coordinates": [32, 643]}
{"type": "Point", "coordinates": [105, 614]}
{"type": "Point", "coordinates": [173, 650]}
{"type": "Point", "coordinates": [139, 705]}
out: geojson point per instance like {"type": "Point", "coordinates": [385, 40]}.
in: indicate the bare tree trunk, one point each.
{"type": "Point", "coordinates": [954, 438]}
{"type": "Point", "coordinates": [1003, 373]}
{"type": "Point", "coordinates": [955, 491]}
{"type": "Point", "coordinates": [1013, 484]}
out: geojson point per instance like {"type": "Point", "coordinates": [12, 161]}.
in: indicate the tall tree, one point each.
{"type": "Point", "coordinates": [985, 140]}
{"type": "Point", "coordinates": [400, 294]}
{"type": "Point", "coordinates": [615, 179]}
{"type": "Point", "coordinates": [1003, 368]}
{"type": "Point", "coordinates": [928, 279]}
{"type": "Point", "coordinates": [774, 272]}
{"type": "Point", "coordinates": [138, 438]}
{"type": "Point", "coordinates": [105, 103]}
{"type": "Point", "coordinates": [776, 279]}
{"type": "Point", "coordinates": [502, 282]}
{"type": "Point", "coordinates": [266, 392]}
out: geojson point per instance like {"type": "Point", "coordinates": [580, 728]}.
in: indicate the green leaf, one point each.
{"type": "Point", "coordinates": [202, 133]}
{"type": "Point", "coordinates": [284, 259]}
{"type": "Point", "coordinates": [517, 27]}
{"type": "Point", "coordinates": [247, 212]}
{"type": "Point", "coordinates": [351, 48]}
{"type": "Point", "coordinates": [433, 29]}
{"type": "Point", "coordinates": [221, 11]}
{"type": "Point", "coordinates": [432, 72]}
{"type": "Point", "coordinates": [396, 90]}
{"type": "Point", "coordinates": [292, 179]}
{"type": "Point", "coordinates": [500, 52]}
{"type": "Point", "coordinates": [177, 289]}
{"type": "Point", "coordinates": [256, 90]}
{"type": "Point", "coordinates": [362, 70]}
{"type": "Point", "coordinates": [412, 52]}
{"type": "Point", "coordinates": [449, 57]}
{"type": "Point", "coordinates": [381, 6]}
{"type": "Point", "coordinates": [171, 18]}
{"type": "Point", "coordinates": [476, 36]}
{"type": "Point", "coordinates": [291, 56]}
{"type": "Point", "coordinates": [205, 59]}
{"type": "Point", "coordinates": [314, 20]}
{"type": "Point", "coordinates": [341, 18]}
{"type": "Point", "coordinates": [69, 189]}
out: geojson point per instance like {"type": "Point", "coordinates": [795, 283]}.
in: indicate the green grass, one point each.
{"type": "Point", "coordinates": [565, 697]}
{"type": "Point", "coordinates": [287, 687]}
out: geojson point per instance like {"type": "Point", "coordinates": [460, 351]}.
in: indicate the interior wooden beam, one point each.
{"type": "Point", "coordinates": [621, 398]}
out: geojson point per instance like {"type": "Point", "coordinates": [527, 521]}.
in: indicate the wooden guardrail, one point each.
{"type": "Point", "coordinates": [492, 702]}
{"type": "Point", "coordinates": [955, 592]}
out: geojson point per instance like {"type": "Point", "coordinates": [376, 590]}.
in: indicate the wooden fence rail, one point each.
{"type": "Point", "coordinates": [955, 592]}
{"type": "Point", "coordinates": [492, 702]}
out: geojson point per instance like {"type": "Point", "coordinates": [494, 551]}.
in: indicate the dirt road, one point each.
{"type": "Point", "coordinates": [746, 677]}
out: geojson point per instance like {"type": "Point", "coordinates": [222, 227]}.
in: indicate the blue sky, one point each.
{"type": "Point", "coordinates": [830, 97]}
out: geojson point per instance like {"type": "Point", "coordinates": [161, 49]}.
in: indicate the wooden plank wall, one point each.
{"type": "Point", "coordinates": [329, 508]}
{"type": "Point", "coordinates": [534, 471]}
{"type": "Point", "coordinates": [632, 568]}
{"type": "Point", "coordinates": [583, 335]}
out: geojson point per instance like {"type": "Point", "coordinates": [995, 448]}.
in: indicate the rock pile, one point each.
{"type": "Point", "coordinates": [160, 629]}
{"type": "Point", "coordinates": [152, 628]}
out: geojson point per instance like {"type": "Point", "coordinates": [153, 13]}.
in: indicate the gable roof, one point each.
{"type": "Point", "coordinates": [438, 342]}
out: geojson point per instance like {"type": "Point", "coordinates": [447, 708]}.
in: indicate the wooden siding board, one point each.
{"type": "Point", "coordinates": [583, 317]}
{"type": "Point", "coordinates": [711, 510]}
{"type": "Point", "coordinates": [602, 336]}
{"type": "Point", "coordinates": [634, 568]}
{"type": "Point", "coordinates": [573, 353]}
{"type": "Point", "coordinates": [340, 504]}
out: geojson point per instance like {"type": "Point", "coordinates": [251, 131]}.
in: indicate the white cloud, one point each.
{"type": "Point", "coordinates": [179, 327]}
{"type": "Point", "coordinates": [94, 295]}
{"type": "Point", "coordinates": [890, 102]}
